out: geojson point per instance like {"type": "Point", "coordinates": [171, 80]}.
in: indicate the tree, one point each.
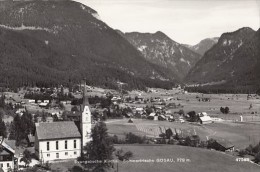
{"type": "Point", "coordinates": [12, 135]}
{"type": "Point", "coordinates": [257, 157]}
{"type": "Point", "coordinates": [27, 157]}
{"type": "Point", "coordinates": [193, 116]}
{"type": "Point", "coordinates": [250, 106]}
{"type": "Point", "coordinates": [2, 101]}
{"type": "Point", "coordinates": [75, 108]}
{"type": "Point", "coordinates": [181, 112]}
{"type": "Point", "coordinates": [226, 110]}
{"type": "Point", "coordinates": [2, 128]}
{"type": "Point", "coordinates": [169, 133]}
{"type": "Point", "coordinates": [242, 153]}
{"type": "Point", "coordinates": [222, 110]}
{"type": "Point", "coordinates": [17, 129]}
{"type": "Point", "coordinates": [100, 149]}
{"type": "Point", "coordinates": [123, 156]}
{"type": "Point", "coordinates": [132, 138]}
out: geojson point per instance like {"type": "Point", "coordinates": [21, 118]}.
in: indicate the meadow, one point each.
{"type": "Point", "coordinates": [184, 159]}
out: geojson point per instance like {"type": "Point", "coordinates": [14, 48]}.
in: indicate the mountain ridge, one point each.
{"type": "Point", "coordinates": [203, 46]}
{"type": "Point", "coordinates": [235, 56]}
{"type": "Point", "coordinates": [77, 39]}
{"type": "Point", "coordinates": [160, 49]}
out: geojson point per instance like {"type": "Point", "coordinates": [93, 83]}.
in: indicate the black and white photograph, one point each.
{"type": "Point", "coordinates": [129, 85]}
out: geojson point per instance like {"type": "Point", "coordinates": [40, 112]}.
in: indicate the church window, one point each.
{"type": "Point", "coordinates": [66, 144]}
{"type": "Point", "coordinates": [57, 145]}
{"type": "Point", "coordinates": [75, 143]}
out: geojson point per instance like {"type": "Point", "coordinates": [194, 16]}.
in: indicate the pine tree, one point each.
{"type": "Point", "coordinates": [17, 129]}
{"type": "Point", "coordinates": [100, 149]}
{"type": "Point", "coordinates": [2, 128]}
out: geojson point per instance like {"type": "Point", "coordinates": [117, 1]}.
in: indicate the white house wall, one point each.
{"type": "Point", "coordinates": [50, 155]}
{"type": "Point", "coordinates": [4, 166]}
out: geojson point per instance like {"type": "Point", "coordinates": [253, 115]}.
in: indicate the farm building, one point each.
{"type": "Point", "coordinates": [162, 117]}
{"type": "Point", "coordinates": [204, 118]}
{"type": "Point", "coordinates": [152, 115]}
{"type": "Point", "coordinates": [222, 145]}
{"type": "Point", "coordinates": [43, 105]}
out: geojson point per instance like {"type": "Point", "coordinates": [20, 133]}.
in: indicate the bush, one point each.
{"type": "Point", "coordinates": [257, 158]}
{"type": "Point", "coordinates": [242, 153]}
{"type": "Point", "coordinates": [76, 169]}
{"type": "Point", "coordinates": [224, 110]}
{"type": "Point", "coordinates": [132, 138]}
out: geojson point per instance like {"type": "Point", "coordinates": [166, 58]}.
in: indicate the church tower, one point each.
{"type": "Point", "coordinates": [85, 119]}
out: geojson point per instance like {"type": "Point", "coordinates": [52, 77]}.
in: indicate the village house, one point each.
{"type": "Point", "coordinates": [48, 119]}
{"type": "Point", "coordinates": [223, 145]}
{"type": "Point", "coordinates": [7, 159]}
{"type": "Point", "coordinates": [204, 118]}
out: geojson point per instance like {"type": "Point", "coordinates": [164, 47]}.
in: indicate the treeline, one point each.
{"type": "Point", "coordinates": [16, 78]}
{"type": "Point", "coordinates": [130, 138]}
{"type": "Point", "coordinates": [223, 89]}
{"type": "Point", "coordinates": [253, 151]}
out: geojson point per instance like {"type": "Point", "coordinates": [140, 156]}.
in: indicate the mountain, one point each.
{"type": "Point", "coordinates": [159, 49]}
{"type": "Point", "coordinates": [203, 45]}
{"type": "Point", "coordinates": [233, 61]}
{"type": "Point", "coordinates": [62, 42]}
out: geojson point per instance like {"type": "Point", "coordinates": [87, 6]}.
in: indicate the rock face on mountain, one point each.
{"type": "Point", "coordinates": [234, 59]}
{"type": "Point", "coordinates": [203, 45]}
{"type": "Point", "coordinates": [54, 42]}
{"type": "Point", "coordinates": [159, 49]}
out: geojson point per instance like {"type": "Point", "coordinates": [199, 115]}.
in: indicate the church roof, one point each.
{"type": "Point", "coordinates": [57, 130]}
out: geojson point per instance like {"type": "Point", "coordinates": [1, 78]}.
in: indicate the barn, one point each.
{"type": "Point", "coordinates": [204, 118]}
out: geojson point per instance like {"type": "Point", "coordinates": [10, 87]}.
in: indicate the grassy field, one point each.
{"type": "Point", "coordinates": [237, 103]}
{"type": "Point", "coordinates": [240, 134]}
{"type": "Point", "coordinates": [195, 160]}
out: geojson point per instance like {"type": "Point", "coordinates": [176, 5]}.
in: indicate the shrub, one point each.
{"type": "Point", "coordinates": [132, 138]}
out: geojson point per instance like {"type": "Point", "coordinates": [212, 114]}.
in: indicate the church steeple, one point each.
{"type": "Point", "coordinates": [85, 97]}
{"type": "Point", "coordinates": [85, 119]}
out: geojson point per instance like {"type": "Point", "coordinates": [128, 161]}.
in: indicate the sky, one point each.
{"type": "Point", "coordinates": [185, 21]}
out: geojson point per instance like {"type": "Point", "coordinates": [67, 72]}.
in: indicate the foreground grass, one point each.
{"type": "Point", "coordinates": [196, 160]}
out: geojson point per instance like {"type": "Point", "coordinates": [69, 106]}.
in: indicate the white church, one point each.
{"type": "Point", "coordinates": [63, 140]}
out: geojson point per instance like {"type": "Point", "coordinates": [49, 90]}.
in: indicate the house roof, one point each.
{"type": "Point", "coordinates": [57, 130]}
{"type": "Point", "coordinates": [205, 118]}
{"type": "Point", "coordinates": [152, 114]}
{"type": "Point", "coordinates": [11, 143]}
{"type": "Point", "coordinates": [4, 152]}
{"type": "Point", "coordinates": [225, 143]}
{"type": "Point", "coordinates": [7, 147]}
